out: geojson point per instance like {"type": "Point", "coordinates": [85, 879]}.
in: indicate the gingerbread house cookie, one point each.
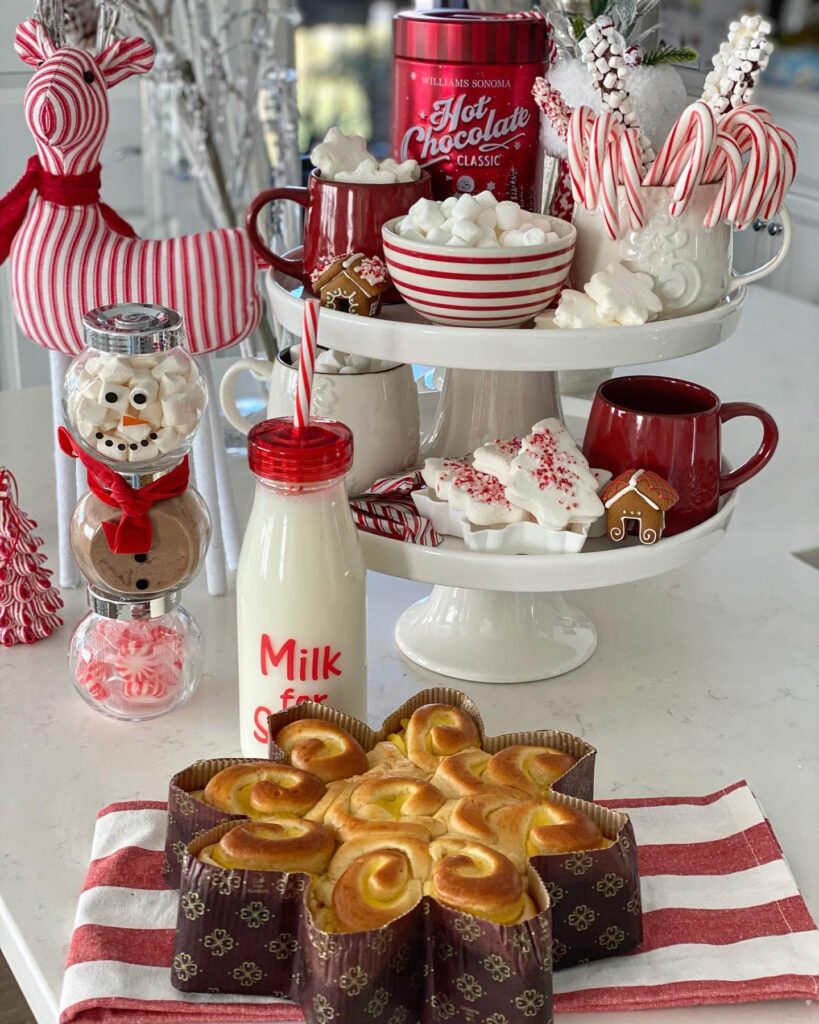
{"type": "Point", "coordinates": [352, 283]}
{"type": "Point", "coordinates": [638, 496]}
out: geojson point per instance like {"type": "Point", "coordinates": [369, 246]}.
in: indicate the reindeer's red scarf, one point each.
{"type": "Point", "coordinates": [62, 189]}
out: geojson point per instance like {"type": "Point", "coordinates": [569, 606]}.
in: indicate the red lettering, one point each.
{"type": "Point", "coordinates": [260, 733]}
{"type": "Point", "coordinates": [328, 666]}
{"type": "Point", "coordinates": [273, 657]}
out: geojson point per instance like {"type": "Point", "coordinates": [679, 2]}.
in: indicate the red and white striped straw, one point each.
{"type": "Point", "coordinates": [307, 362]}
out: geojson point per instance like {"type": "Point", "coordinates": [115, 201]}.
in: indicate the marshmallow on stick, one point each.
{"type": "Point", "coordinates": [738, 64]}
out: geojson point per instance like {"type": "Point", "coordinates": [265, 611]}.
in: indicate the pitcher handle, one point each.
{"type": "Point", "coordinates": [227, 390]}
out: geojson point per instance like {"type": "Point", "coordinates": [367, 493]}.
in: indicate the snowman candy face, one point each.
{"type": "Point", "coordinates": [141, 408]}
{"type": "Point", "coordinates": [180, 529]}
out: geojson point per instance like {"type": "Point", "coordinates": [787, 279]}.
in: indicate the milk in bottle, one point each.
{"type": "Point", "coordinates": [301, 586]}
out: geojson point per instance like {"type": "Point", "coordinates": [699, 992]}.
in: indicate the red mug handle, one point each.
{"type": "Point", "coordinates": [770, 439]}
{"type": "Point", "coordinates": [295, 268]}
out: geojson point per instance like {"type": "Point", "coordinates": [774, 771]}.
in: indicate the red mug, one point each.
{"type": "Point", "coordinates": [672, 427]}
{"type": "Point", "coordinates": [342, 217]}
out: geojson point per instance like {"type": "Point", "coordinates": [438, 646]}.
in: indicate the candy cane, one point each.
{"type": "Point", "coordinates": [675, 141]}
{"type": "Point", "coordinates": [702, 118]}
{"type": "Point", "coordinates": [787, 172]}
{"type": "Point", "coordinates": [598, 144]}
{"type": "Point", "coordinates": [608, 186]}
{"type": "Point", "coordinates": [631, 173]}
{"type": "Point", "coordinates": [726, 150]}
{"type": "Point", "coordinates": [766, 181]}
{"type": "Point", "coordinates": [743, 122]}
{"type": "Point", "coordinates": [580, 124]}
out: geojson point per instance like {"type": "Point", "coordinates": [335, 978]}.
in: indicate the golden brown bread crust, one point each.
{"type": "Point", "coordinates": [323, 749]}
{"type": "Point", "coordinates": [475, 879]}
{"type": "Point", "coordinates": [537, 827]}
{"type": "Point", "coordinates": [373, 880]}
{"type": "Point", "coordinates": [531, 769]}
{"type": "Point", "coordinates": [386, 758]}
{"type": "Point", "coordinates": [286, 844]}
{"type": "Point", "coordinates": [438, 730]}
{"type": "Point", "coordinates": [263, 789]}
{"type": "Point", "coordinates": [469, 816]}
{"type": "Point", "coordinates": [462, 773]}
{"type": "Point", "coordinates": [383, 804]}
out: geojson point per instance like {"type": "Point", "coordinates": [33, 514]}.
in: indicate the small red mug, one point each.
{"type": "Point", "coordinates": [341, 217]}
{"type": "Point", "coordinates": [672, 427]}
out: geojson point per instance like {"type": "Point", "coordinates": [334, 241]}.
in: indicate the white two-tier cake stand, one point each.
{"type": "Point", "coordinates": [493, 617]}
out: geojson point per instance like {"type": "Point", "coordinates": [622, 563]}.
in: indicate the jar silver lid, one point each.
{"type": "Point", "coordinates": [132, 328]}
{"type": "Point", "coordinates": [110, 606]}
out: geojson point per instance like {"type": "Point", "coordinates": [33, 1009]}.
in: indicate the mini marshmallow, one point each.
{"type": "Point", "coordinates": [448, 205]}
{"type": "Point", "coordinates": [512, 238]}
{"type": "Point", "coordinates": [86, 429]}
{"type": "Point", "coordinates": [456, 241]}
{"type": "Point", "coordinates": [426, 215]}
{"type": "Point", "coordinates": [438, 236]}
{"type": "Point", "coordinates": [487, 219]}
{"type": "Point", "coordinates": [179, 411]}
{"type": "Point", "coordinates": [145, 360]}
{"type": "Point", "coordinates": [488, 242]}
{"type": "Point", "coordinates": [174, 362]}
{"type": "Point", "coordinates": [114, 369]}
{"type": "Point", "coordinates": [134, 429]}
{"type": "Point", "coordinates": [469, 231]}
{"type": "Point", "coordinates": [486, 198]}
{"type": "Point", "coordinates": [112, 448]}
{"type": "Point", "coordinates": [534, 236]}
{"type": "Point", "coordinates": [143, 452]}
{"type": "Point", "coordinates": [508, 214]}
{"type": "Point", "coordinates": [90, 411]}
{"type": "Point", "coordinates": [413, 235]}
{"type": "Point", "coordinates": [167, 439]}
{"type": "Point", "coordinates": [91, 366]}
{"type": "Point", "coordinates": [406, 171]}
{"type": "Point", "coordinates": [114, 397]}
{"type": "Point", "coordinates": [143, 391]}
{"type": "Point", "coordinates": [153, 414]}
{"type": "Point", "coordinates": [367, 173]}
{"type": "Point", "coordinates": [466, 207]}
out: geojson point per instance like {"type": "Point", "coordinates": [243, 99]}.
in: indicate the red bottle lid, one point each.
{"type": "Point", "coordinates": [466, 37]}
{"type": "Point", "coordinates": [277, 451]}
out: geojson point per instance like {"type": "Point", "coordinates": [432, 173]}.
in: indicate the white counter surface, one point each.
{"type": "Point", "coordinates": [701, 677]}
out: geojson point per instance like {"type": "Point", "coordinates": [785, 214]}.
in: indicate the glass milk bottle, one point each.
{"type": "Point", "coordinates": [301, 586]}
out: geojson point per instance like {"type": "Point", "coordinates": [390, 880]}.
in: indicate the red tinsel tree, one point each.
{"type": "Point", "coordinates": [28, 601]}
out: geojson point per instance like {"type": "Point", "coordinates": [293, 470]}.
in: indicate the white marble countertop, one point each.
{"type": "Point", "coordinates": [701, 677]}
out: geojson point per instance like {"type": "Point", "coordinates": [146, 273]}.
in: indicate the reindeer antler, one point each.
{"type": "Point", "coordinates": [107, 21]}
{"type": "Point", "coordinates": [51, 15]}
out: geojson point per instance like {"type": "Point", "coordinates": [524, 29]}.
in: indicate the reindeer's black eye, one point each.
{"type": "Point", "coordinates": [89, 76]}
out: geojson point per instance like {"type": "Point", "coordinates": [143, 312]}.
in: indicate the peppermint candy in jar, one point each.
{"type": "Point", "coordinates": [135, 659]}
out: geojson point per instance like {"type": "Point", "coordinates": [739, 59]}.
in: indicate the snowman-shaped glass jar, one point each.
{"type": "Point", "coordinates": [134, 397]}
{"type": "Point", "coordinates": [135, 659]}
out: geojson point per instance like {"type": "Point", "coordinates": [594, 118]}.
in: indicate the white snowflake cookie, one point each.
{"type": "Point", "coordinates": [624, 296]}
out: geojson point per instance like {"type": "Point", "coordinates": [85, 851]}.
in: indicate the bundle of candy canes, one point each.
{"type": "Point", "coordinates": [721, 138]}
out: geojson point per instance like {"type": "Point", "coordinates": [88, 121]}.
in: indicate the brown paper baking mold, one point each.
{"type": "Point", "coordinates": [251, 933]}
{"type": "Point", "coordinates": [189, 817]}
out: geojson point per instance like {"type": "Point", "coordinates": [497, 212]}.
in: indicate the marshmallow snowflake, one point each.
{"type": "Point", "coordinates": [343, 157]}
{"type": "Point", "coordinates": [624, 296]}
{"type": "Point", "coordinates": [576, 310]}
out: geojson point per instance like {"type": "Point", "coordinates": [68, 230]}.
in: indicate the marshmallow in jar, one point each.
{"type": "Point", "coordinates": [301, 585]}
{"type": "Point", "coordinates": [134, 397]}
{"type": "Point", "coordinates": [135, 659]}
{"type": "Point", "coordinates": [462, 101]}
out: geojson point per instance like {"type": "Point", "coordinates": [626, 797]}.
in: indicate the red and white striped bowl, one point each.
{"type": "Point", "coordinates": [472, 287]}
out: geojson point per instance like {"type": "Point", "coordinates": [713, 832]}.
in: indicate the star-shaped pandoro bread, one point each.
{"type": "Point", "coordinates": [426, 811]}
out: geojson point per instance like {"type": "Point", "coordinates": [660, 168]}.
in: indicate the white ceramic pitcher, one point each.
{"type": "Point", "coordinates": [380, 407]}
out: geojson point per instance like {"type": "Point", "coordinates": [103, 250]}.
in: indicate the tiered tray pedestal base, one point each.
{"type": "Point", "coordinates": [503, 618]}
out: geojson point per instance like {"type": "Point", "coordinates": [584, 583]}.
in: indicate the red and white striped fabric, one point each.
{"type": "Point", "coordinates": [723, 922]}
{"type": "Point", "coordinates": [66, 259]}
{"type": "Point", "coordinates": [506, 288]}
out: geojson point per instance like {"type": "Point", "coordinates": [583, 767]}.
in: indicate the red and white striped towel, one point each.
{"type": "Point", "coordinates": [723, 921]}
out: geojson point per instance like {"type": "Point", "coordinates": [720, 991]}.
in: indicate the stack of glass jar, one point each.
{"type": "Point", "coordinates": [133, 400]}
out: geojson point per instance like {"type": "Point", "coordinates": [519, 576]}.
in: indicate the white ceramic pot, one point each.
{"type": "Point", "coordinates": [691, 265]}
{"type": "Point", "coordinates": [380, 407]}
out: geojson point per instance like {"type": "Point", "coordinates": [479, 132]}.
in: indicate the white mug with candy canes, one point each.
{"type": "Point", "coordinates": [724, 165]}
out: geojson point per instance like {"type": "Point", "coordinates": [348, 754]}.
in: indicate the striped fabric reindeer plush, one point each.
{"type": "Point", "coordinates": [71, 253]}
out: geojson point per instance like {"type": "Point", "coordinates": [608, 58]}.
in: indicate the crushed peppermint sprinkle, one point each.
{"type": "Point", "coordinates": [324, 265]}
{"type": "Point", "coordinates": [508, 447]}
{"type": "Point", "coordinates": [481, 487]}
{"type": "Point", "coordinates": [372, 270]}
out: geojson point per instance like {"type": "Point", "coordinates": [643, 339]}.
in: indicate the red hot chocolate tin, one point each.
{"type": "Point", "coordinates": [462, 100]}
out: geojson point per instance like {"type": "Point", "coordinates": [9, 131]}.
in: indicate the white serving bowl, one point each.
{"type": "Point", "coordinates": [467, 286]}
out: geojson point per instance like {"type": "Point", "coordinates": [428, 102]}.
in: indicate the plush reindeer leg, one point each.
{"type": "Point", "coordinates": [64, 475]}
{"type": "Point", "coordinates": [227, 506]}
{"type": "Point", "coordinates": [206, 483]}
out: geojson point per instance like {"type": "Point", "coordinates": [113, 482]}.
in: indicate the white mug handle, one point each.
{"type": "Point", "coordinates": [739, 280]}
{"type": "Point", "coordinates": [227, 390]}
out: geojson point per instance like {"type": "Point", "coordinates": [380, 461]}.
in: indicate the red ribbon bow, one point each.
{"type": "Point", "coordinates": [62, 189]}
{"type": "Point", "coordinates": [132, 534]}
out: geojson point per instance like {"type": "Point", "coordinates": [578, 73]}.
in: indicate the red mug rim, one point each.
{"type": "Point", "coordinates": [689, 386]}
{"type": "Point", "coordinates": [315, 176]}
